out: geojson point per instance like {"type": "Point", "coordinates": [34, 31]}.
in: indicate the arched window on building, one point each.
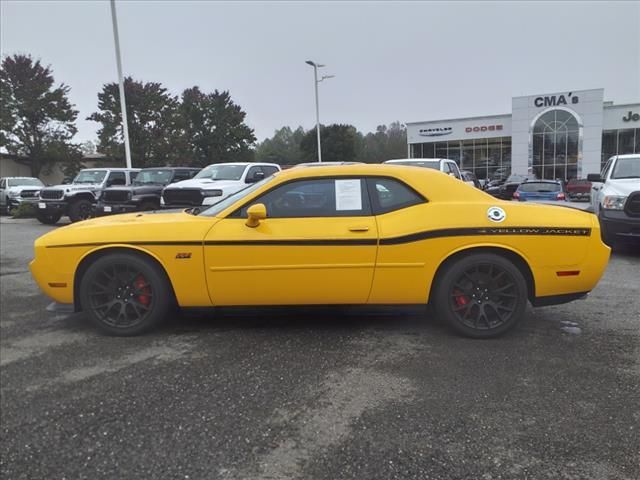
{"type": "Point", "coordinates": [556, 136]}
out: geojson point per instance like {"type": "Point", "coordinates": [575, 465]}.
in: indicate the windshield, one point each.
{"type": "Point", "coordinates": [539, 187]}
{"type": "Point", "coordinates": [222, 172]}
{"type": "Point", "coordinates": [231, 199]}
{"type": "Point", "coordinates": [434, 165]}
{"type": "Point", "coordinates": [153, 177]}
{"type": "Point", "coordinates": [90, 176]}
{"type": "Point", "coordinates": [626, 168]}
{"type": "Point", "coordinates": [16, 182]}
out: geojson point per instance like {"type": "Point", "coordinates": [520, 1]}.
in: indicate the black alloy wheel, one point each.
{"type": "Point", "coordinates": [481, 296]}
{"type": "Point", "coordinates": [48, 218]}
{"type": "Point", "coordinates": [80, 210]}
{"type": "Point", "coordinates": [125, 294]}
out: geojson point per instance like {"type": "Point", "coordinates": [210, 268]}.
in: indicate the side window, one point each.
{"type": "Point", "coordinates": [320, 197]}
{"type": "Point", "coordinates": [2, 183]}
{"type": "Point", "coordinates": [268, 171]}
{"type": "Point", "coordinates": [388, 195]}
{"type": "Point", "coordinates": [181, 175]}
{"type": "Point", "coordinates": [116, 178]}
{"type": "Point", "coordinates": [605, 170]}
{"type": "Point", "coordinates": [255, 174]}
{"type": "Point", "coordinates": [133, 175]}
{"type": "Point", "coordinates": [456, 171]}
{"type": "Point", "coordinates": [445, 168]}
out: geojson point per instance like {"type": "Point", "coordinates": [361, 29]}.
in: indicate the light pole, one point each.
{"type": "Point", "coordinates": [123, 103]}
{"type": "Point", "coordinates": [316, 66]}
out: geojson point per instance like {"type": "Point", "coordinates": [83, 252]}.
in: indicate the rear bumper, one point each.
{"type": "Point", "coordinates": [558, 299]}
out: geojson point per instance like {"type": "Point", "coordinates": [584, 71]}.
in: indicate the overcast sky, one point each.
{"type": "Point", "coordinates": [392, 61]}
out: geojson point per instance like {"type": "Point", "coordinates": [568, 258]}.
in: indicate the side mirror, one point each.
{"type": "Point", "coordinates": [594, 177]}
{"type": "Point", "coordinates": [255, 213]}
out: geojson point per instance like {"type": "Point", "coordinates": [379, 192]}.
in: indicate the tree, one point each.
{"type": "Point", "coordinates": [213, 128]}
{"type": "Point", "coordinates": [385, 144]}
{"type": "Point", "coordinates": [36, 117]}
{"type": "Point", "coordinates": [152, 115]}
{"type": "Point", "coordinates": [283, 148]}
{"type": "Point", "coordinates": [340, 143]}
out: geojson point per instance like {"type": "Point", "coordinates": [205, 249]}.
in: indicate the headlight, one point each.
{"type": "Point", "coordinates": [212, 193]}
{"type": "Point", "coordinates": [614, 202]}
{"type": "Point", "coordinates": [13, 194]}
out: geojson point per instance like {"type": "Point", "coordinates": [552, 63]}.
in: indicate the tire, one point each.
{"type": "Point", "coordinates": [48, 218]}
{"type": "Point", "coordinates": [148, 206]}
{"type": "Point", "coordinates": [80, 210]}
{"type": "Point", "coordinates": [125, 294]}
{"type": "Point", "coordinates": [501, 305]}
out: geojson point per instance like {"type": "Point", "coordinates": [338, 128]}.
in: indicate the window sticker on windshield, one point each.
{"type": "Point", "coordinates": [348, 195]}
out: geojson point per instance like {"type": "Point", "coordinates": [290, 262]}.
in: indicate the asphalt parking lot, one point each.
{"type": "Point", "coordinates": [332, 394]}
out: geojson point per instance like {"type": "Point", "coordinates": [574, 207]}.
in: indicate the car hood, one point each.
{"type": "Point", "coordinates": [74, 186]}
{"type": "Point", "coordinates": [135, 228]}
{"type": "Point", "coordinates": [624, 186]}
{"type": "Point", "coordinates": [20, 188]}
{"type": "Point", "coordinates": [204, 183]}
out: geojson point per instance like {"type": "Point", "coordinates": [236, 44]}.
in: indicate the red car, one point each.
{"type": "Point", "coordinates": [578, 189]}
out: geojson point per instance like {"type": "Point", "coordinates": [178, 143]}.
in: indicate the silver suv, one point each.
{"type": "Point", "coordinates": [76, 200]}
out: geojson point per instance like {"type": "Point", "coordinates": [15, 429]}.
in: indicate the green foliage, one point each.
{"type": "Point", "coordinates": [152, 115]}
{"type": "Point", "coordinates": [214, 128]}
{"type": "Point", "coordinates": [385, 144]}
{"type": "Point", "coordinates": [283, 148]}
{"type": "Point", "coordinates": [340, 143]}
{"type": "Point", "coordinates": [36, 117]}
{"type": "Point", "coordinates": [24, 210]}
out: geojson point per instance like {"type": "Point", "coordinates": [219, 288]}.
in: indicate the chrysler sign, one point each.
{"type": "Point", "coordinates": [435, 131]}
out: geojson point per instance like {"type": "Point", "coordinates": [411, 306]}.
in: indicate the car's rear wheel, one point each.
{"type": "Point", "coordinates": [481, 295]}
{"type": "Point", "coordinates": [125, 294]}
{"type": "Point", "coordinates": [48, 218]}
{"type": "Point", "coordinates": [80, 210]}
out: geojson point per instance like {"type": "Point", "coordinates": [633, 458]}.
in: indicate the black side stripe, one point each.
{"type": "Point", "coordinates": [308, 243]}
{"type": "Point", "coordinates": [413, 237]}
{"type": "Point", "coordinates": [466, 232]}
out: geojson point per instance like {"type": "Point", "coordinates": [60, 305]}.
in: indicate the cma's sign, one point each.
{"type": "Point", "coordinates": [556, 100]}
{"type": "Point", "coordinates": [631, 117]}
{"type": "Point", "coordinates": [435, 132]}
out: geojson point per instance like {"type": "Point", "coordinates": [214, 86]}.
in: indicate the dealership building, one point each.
{"type": "Point", "coordinates": [560, 135]}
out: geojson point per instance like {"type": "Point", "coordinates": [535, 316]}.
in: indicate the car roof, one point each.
{"type": "Point", "coordinates": [629, 155]}
{"type": "Point", "coordinates": [170, 168]}
{"type": "Point", "coordinates": [396, 160]}
{"type": "Point", "coordinates": [110, 169]}
{"type": "Point", "coordinates": [19, 178]}
{"type": "Point", "coordinates": [325, 164]}
{"type": "Point", "coordinates": [244, 164]}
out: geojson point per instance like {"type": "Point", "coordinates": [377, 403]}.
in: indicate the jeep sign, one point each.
{"type": "Point", "coordinates": [555, 100]}
{"type": "Point", "coordinates": [631, 117]}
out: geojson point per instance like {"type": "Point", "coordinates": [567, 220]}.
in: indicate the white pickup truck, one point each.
{"type": "Point", "coordinates": [215, 182]}
{"type": "Point", "coordinates": [615, 198]}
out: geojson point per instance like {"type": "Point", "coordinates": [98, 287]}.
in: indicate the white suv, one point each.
{"type": "Point", "coordinates": [615, 198]}
{"type": "Point", "coordinates": [215, 182]}
{"type": "Point", "coordinates": [443, 164]}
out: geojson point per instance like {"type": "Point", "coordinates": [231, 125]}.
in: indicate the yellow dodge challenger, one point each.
{"type": "Point", "coordinates": [346, 234]}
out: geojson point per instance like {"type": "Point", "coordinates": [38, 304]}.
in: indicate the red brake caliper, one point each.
{"type": "Point", "coordinates": [461, 299]}
{"type": "Point", "coordinates": [141, 285]}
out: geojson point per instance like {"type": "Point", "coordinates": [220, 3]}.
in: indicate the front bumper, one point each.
{"type": "Point", "coordinates": [618, 223]}
{"type": "Point", "coordinates": [52, 206]}
{"type": "Point", "coordinates": [111, 208]}
{"type": "Point", "coordinates": [16, 201]}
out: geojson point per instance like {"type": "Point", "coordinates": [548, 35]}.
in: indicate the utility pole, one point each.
{"type": "Point", "coordinates": [315, 83]}
{"type": "Point", "coordinates": [123, 102]}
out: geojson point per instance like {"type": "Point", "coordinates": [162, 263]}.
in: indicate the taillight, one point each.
{"type": "Point", "coordinates": [516, 195]}
{"type": "Point", "coordinates": [560, 196]}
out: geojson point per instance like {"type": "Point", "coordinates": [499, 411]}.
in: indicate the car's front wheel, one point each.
{"type": "Point", "coordinates": [481, 295]}
{"type": "Point", "coordinates": [80, 210]}
{"type": "Point", "coordinates": [125, 294]}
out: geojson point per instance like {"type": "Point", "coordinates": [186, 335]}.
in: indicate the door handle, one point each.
{"type": "Point", "coordinates": [359, 228]}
